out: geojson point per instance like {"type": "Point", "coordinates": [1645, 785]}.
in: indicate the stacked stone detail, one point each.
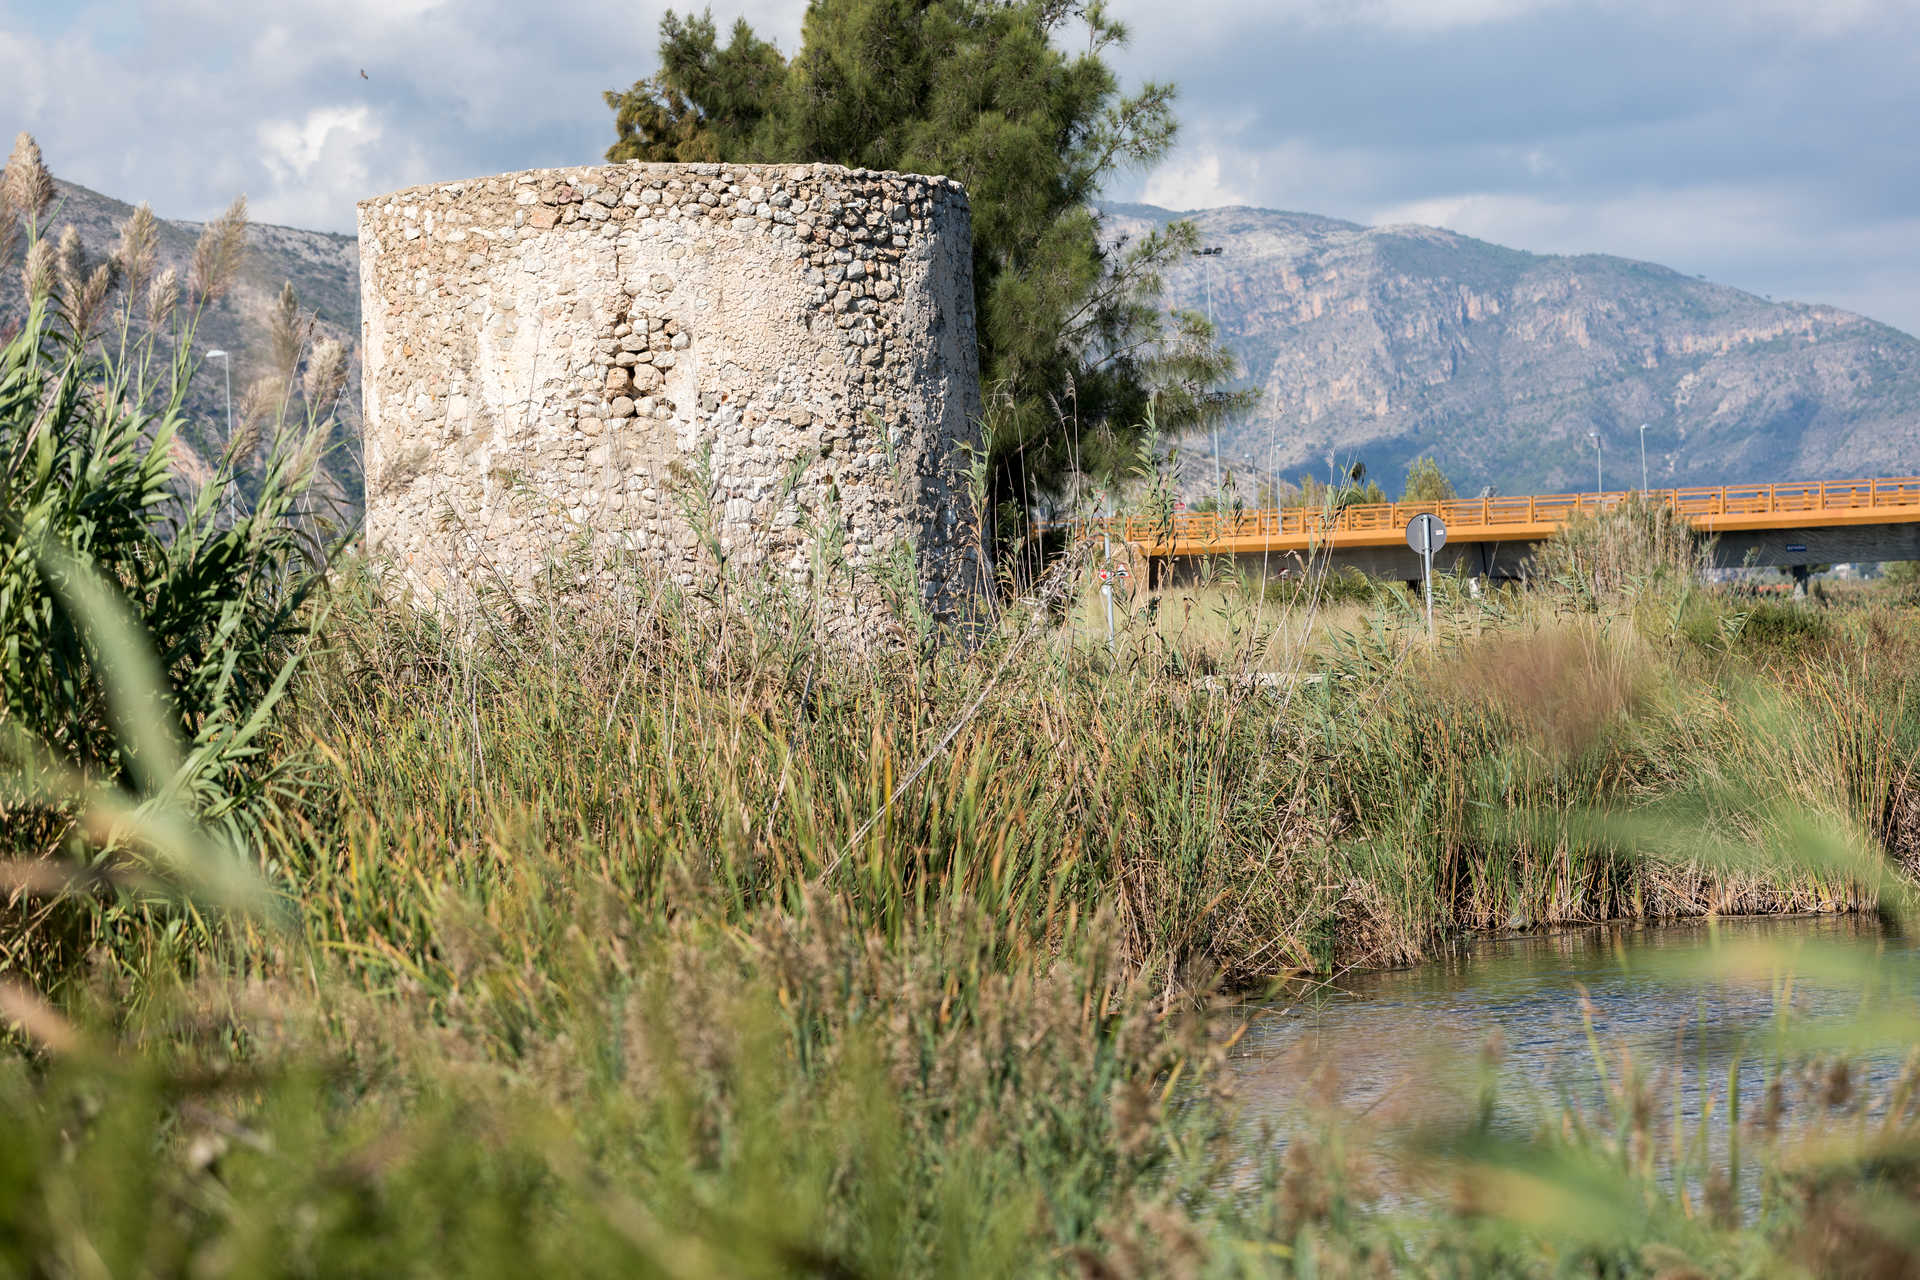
{"type": "Point", "coordinates": [761, 372]}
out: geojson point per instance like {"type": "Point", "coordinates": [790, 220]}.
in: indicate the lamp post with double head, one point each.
{"type": "Point", "coordinates": [1643, 457]}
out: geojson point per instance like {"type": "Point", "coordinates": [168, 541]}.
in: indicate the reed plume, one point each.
{"type": "Point", "coordinates": [217, 257]}
{"type": "Point", "coordinates": [69, 261]}
{"type": "Point", "coordinates": [87, 302]}
{"type": "Point", "coordinates": [26, 192]}
{"type": "Point", "coordinates": [83, 290]}
{"type": "Point", "coordinates": [26, 189]}
{"type": "Point", "coordinates": [37, 272]}
{"type": "Point", "coordinates": [287, 334]}
{"type": "Point", "coordinates": [139, 249]}
{"type": "Point", "coordinates": [262, 397]}
{"type": "Point", "coordinates": [162, 296]}
{"type": "Point", "coordinates": [326, 374]}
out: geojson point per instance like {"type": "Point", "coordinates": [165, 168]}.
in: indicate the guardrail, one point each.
{"type": "Point", "coordinates": [1497, 519]}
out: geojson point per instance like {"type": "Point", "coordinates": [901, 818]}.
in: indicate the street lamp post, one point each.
{"type": "Point", "coordinates": [226, 362]}
{"type": "Point", "coordinates": [1210, 253]}
{"type": "Point", "coordinates": [1643, 457]}
{"type": "Point", "coordinates": [1599, 478]}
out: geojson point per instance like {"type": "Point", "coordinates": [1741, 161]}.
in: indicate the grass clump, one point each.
{"type": "Point", "coordinates": [1640, 545]}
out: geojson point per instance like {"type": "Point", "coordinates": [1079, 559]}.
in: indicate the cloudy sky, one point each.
{"type": "Point", "coordinates": [1771, 144]}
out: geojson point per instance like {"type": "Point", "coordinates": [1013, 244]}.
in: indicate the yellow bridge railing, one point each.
{"type": "Point", "coordinates": [1710, 509]}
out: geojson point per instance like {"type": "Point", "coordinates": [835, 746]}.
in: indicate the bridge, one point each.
{"type": "Point", "coordinates": [1766, 525]}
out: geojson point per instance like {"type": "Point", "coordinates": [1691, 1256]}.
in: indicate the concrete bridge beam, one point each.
{"type": "Point", "coordinates": [1843, 544]}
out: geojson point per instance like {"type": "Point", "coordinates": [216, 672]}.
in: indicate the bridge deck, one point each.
{"type": "Point", "coordinates": [1717, 509]}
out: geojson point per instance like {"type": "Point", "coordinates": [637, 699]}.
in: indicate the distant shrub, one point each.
{"type": "Point", "coordinates": [1345, 585]}
{"type": "Point", "coordinates": [1761, 628]}
{"type": "Point", "coordinates": [1426, 482]}
{"type": "Point", "coordinates": [1783, 626]}
{"type": "Point", "coordinates": [1355, 490]}
{"type": "Point", "coordinates": [1902, 578]}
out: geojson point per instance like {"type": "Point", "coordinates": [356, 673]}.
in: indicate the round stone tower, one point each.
{"type": "Point", "coordinates": [765, 372]}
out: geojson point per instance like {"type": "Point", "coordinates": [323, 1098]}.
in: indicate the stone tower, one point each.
{"type": "Point", "coordinates": [762, 371]}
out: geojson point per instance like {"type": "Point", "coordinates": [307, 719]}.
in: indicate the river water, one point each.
{"type": "Point", "coordinates": [1679, 1002]}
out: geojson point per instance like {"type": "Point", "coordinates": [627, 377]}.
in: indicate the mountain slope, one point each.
{"type": "Point", "coordinates": [325, 273]}
{"type": "Point", "coordinates": [1371, 344]}
{"type": "Point", "coordinates": [1380, 344]}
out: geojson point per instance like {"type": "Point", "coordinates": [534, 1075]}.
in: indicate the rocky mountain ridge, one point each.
{"type": "Point", "coordinates": [1378, 344]}
{"type": "Point", "coordinates": [1371, 345]}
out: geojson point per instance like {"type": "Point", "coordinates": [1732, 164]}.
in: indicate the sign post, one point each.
{"type": "Point", "coordinates": [1426, 534]}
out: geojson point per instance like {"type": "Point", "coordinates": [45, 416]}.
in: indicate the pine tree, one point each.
{"type": "Point", "coordinates": [1077, 347]}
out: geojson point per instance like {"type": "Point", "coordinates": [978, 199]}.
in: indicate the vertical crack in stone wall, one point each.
{"type": "Point", "coordinates": [761, 371]}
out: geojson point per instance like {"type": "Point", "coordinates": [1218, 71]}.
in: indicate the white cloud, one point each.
{"type": "Point", "coordinates": [1192, 181]}
{"type": "Point", "coordinates": [293, 148]}
{"type": "Point", "coordinates": [1428, 15]}
{"type": "Point", "coordinates": [1670, 225]}
{"type": "Point", "coordinates": [323, 159]}
{"type": "Point", "coordinates": [1766, 239]}
{"type": "Point", "coordinates": [1820, 17]}
{"type": "Point", "coordinates": [187, 103]}
{"type": "Point", "coordinates": [1761, 142]}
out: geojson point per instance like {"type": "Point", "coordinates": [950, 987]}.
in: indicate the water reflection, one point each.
{"type": "Point", "coordinates": [1391, 1044]}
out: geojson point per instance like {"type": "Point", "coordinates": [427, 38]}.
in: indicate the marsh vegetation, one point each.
{"type": "Point", "coordinates": [653, 937]}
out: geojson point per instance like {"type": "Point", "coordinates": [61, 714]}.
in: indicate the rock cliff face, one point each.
{"type": "Point", "coordinates": [1380, 344]}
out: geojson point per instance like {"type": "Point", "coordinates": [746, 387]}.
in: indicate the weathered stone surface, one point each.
{"type": "Point", "coordinates": [571, 372]}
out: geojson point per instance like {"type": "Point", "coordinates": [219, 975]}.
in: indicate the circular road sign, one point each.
{"type": "Point", "coordinates": [1426, 533]}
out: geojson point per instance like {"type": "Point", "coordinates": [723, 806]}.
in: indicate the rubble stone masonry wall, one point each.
{"type": "Point", "coordinates": [675, 369]}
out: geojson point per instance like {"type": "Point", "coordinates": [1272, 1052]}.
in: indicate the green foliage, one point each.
{"type": "Point", "coordinates": [1345, 585]}
{"type": "Point", "coordinates": [671, 1105]}
{"type": "Point", "coordinates": [1786, 626]}
{"type": "Point", "coordinates": [89, 472]}
{"type": "Point", "coordinates": [1426, 482]}
{"type": "Point", "coordinates": [634, 938]}
{"type": "Point", "coordinates": [1638, 546]}
{"type": "Point", "coordinates": [1902, 578]}
{"type": "Point", "coordinates": [1075, 344]}
{"type": "Point", "coordinates": [145, 622]}
{"type": "Point", "coordinates": [706, 102]}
